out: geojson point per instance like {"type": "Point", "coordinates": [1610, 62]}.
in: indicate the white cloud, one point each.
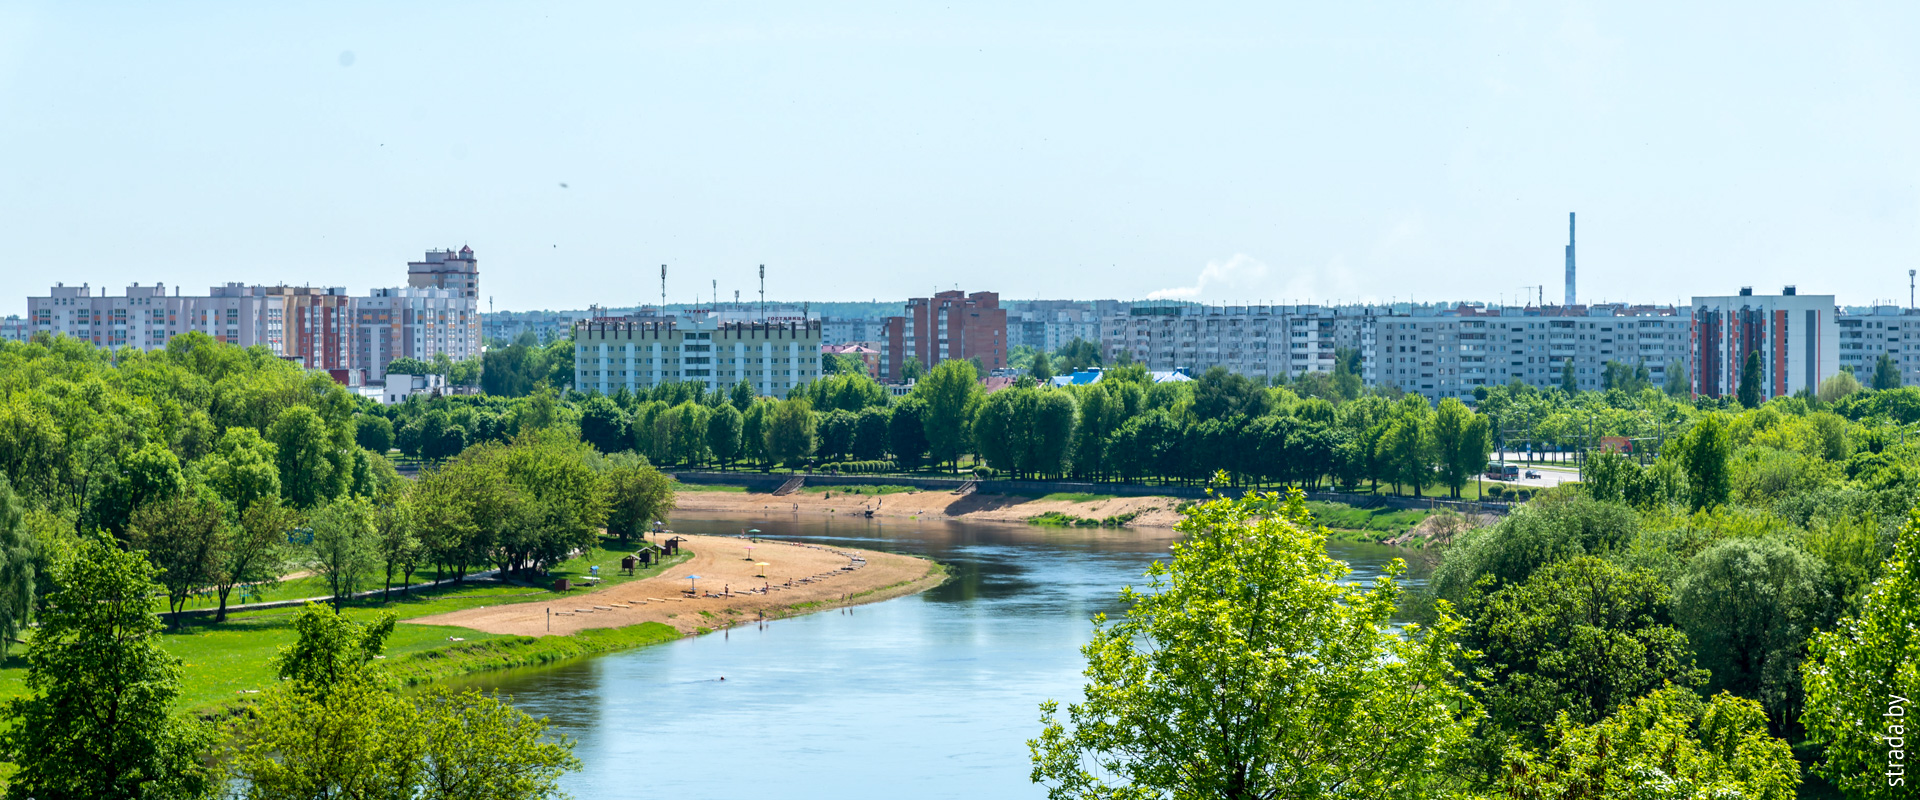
{"type": "Point", "coordinates": [1243, 279]}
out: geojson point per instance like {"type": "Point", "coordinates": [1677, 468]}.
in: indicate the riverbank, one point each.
{"type": "Point", "coordinates": [739, 580]}
{"type": "Point", "coordinates": [1138, 512]}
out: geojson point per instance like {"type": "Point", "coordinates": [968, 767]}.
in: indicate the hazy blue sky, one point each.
{"type": "Point", "coordinates": [1230, 152]}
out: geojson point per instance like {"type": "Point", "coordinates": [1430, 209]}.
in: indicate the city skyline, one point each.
{"type": "Point", "coordinates": [1226, 154]}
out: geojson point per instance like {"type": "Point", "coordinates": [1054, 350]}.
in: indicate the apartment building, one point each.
{"type": "Point", "coordinates": [948, 325]}
{"type": "Point", "coordinates": [15, 328]}
{"type": "Point", "coordinates": [866, 331]}
{"type": "Point", "coordinates": [319, 327]}
{"type": "Point", "coordinates": [413, 322]}
{"type": "Point", "coordinates": [1048, 325]}
{"type": "Point", "coordinates": [1796, 335]}
{"type": "Point", "coordinates": [1258, 341]}
{"type": "Point", "coordinates": [612, 353]}
{"type": "Point", "coordinates": [1867, 333]}
{"type": "Point", "coordinates": [1442, 352]}
{"type": "Point", "coordinates": [146, 317]}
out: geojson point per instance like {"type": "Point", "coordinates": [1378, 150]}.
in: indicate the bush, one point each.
{"type": "Point", "coordinates": [1495, 491]}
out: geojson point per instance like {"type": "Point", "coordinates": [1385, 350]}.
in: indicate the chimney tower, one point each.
{"type": "Point", "coordinates": [1572, 296]}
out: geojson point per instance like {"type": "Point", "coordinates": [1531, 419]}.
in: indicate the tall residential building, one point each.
{"type": "Point", "coordinates": [445, 269]}
{"type": "Point", "coordinates": [948, 325]}
{"type": "Point", "coordinates": [416, 323]}
{"type": "Point", "coordinates": [320, 327]}
{"type": "Point", "coordinates": [1796, 335]}
{"type": "Point", "coordinates": [612, 353]}
{"type": "Point", "coordinates": [146, 317]}
{"type": "Point", "coordinates": [1047, 325]}
{"type": "Point", "coordinates": [1258, 341]}
{"type": "Point", "coordinates": [1868, 333]}
{"type": "Point", "coordinates": [1443, 352]}
{"type": "Point", "coordinates": [14, 328]}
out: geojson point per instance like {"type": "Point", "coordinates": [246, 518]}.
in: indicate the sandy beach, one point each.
{"type": "Point", "coordinates": [730, 590]}
{"type": "Point", "coordinates": [1151, 512]}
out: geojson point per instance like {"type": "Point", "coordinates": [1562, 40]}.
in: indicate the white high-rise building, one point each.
{"type": "Point", "coordinates": [640, 352]}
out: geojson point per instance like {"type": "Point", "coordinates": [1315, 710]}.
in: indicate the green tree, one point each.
{"type": "Point", "coordinates": [1836, 388]}
{"type": "Point", "coordinates": [408, 365]}
{"type": "Point", "coordinates": [836, 434]}
{"type": "Point", "coordinates": [1075, 356]}
{"type": "Point", "coordinates": [950, 391]}
{"type": "Point", "coordinates": [637, 494]}
{"type": "Point", "coordinates": [243, 468]}
{"type": "Point", "coordinates": [790, 432]}
{"type": "Point", "coordinates": [182, 535]}
{"type": "Point", "coordinates": [373, 432]}
{"type": "Point", "coordinates": [1704, 454]}
{"type": "Point", "coordinates": [1461, 443]}
{"type": "Point", "coordinates": [603, 424]}
{"type": "Point", "coordinates": [1750, 395]}
{"type": "Point", "coordinates": [742, 396]}
{"type": "Point", "coordinates": [907, 432]}
{"type": "Point", "coordinates": [478, 747]}
{"type": "Point", "coordinates": [1579, 638]}
{"type": "Point", "coordinates": [253, 548]}
{"type": "Point", "coordinates": [870, 434]}
{"type": "Point", "coordinates": [1676, 384]}
{"type": "Point", "coordinates": [912, 370]}
{"type": "Point", "coordinates": [1251, 669]}
{"type": "Point", "coordinates": [96, 722]}
{"type": "Point", "coordinates": [337, 728]}
{"type": "Point", "coordinates": [1858, 673]}
{"type": "Point", "coordinates": [1406, 452]}
{"type": "Point", "coordinates": [21, 556]}
{"type": "Point", "coordinates": [394, 540]}
{"type": "Point", "coordinates": [723, 433]}
{"type": "Point", "coordinates": [149, 473]}
{"type": "Point", "coordinates": [1569, 382]}
{"type": "Point", "coordinates": [312, 469]}
{"type": "Point", "coordinates": [1042, 369]}
{"type": "Point", "coordinates": [1749, 605]}
{"type": "Point", "coordinates": [1886, 373]}
{"type": "Point", "coordinates": [1669, 744]}
{"type": "Point", "coordinates": [345, 550]}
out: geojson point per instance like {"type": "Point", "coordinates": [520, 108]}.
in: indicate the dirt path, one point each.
{"type": "Point", "coordinates": [1151, 512]}
{"type": "Point", "coordinates": [731, 589]}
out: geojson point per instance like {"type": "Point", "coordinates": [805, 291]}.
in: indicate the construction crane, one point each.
{"type": "Point", "coordinates": [1541, 288]}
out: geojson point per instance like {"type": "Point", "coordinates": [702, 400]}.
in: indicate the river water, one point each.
{"type": "Point", "coordinates": [933, 695]}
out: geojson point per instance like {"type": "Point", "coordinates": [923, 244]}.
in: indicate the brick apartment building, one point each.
{"type": "Point", "coordinates": [948, 325]}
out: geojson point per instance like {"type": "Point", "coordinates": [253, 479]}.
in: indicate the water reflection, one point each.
{"type": "Point", "coordinates": [933, 695]}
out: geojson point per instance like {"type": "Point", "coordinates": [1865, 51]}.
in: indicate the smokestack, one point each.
{"type": "Point", "coordinates": [1572, 296]}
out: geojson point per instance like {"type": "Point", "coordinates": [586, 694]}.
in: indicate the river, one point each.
{"type": "Point", "coordinates": [933, 695]}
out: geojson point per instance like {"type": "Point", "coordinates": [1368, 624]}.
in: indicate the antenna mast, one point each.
{"type": "Point", "coordinates": [663, 290]}
{"type": "Point", "coordinates": [763, 293]}
{"type": "Point", "coordinates": [716, 294]}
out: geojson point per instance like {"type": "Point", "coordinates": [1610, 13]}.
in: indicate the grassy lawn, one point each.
{"type": "Point", "coordinates": [222, 662]}
{"type": "Point", "coordinates": [1077, 497]}
{"type": "Point", "coordinates": [862, 489]}
{"type": "Point", "coordinates": [707, 487]}
{"type": "Point", "coordinates": [295, 589]}
{"type": "Point", "coordinates": [1378, 523]}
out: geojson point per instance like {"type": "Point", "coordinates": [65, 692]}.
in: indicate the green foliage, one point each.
{"type": "Point", "coordinates": [1249, 669]}
{"type": "Point", "coordinates": [790, 432]}
{"type": "Point", "coordinates": [907, 432]}
{"type": "Point", "coordinates": [336, 727]}
{"type": "Point", "coordinates": [1704, 453]}
{"type": "Point", "coordinates": [636, 495]}
{"type": "Point", "coordinates": [951, 393]}
{"type": "Point", "coordinates": [183, 536]}
{"type": "Point", "coordinates": [1750, 378]}
{"type": "Point", "coordinates": [313, 465]}
{"type": "Point", "coordinates": [345, 549]}
{"type": "Point", "coordinates": [22, 555]}
{"type": "Point", "coordinates": [1748, 605]}
{"type": "Point", "coordinates": [1860, 672]}
{"type": "Point", "coordinates": [1579, 638]}
{"type": "Point", "coordinates": [97, 723]}
{"type": "Point", "coordinates": [1669, 744]}
{"type": "Point", "coordinates": [373, 432]}
{"type": "Point", "coordinates": [1886, 373]}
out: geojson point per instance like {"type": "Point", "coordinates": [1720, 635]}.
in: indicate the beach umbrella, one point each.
{"type": "Point", "coordinates": [690, 580]}
{"type": "Point", "coordinates": [763, 568]}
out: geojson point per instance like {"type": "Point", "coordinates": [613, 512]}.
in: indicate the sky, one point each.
{"type": "Point", "coordinates": [1238, 153]}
